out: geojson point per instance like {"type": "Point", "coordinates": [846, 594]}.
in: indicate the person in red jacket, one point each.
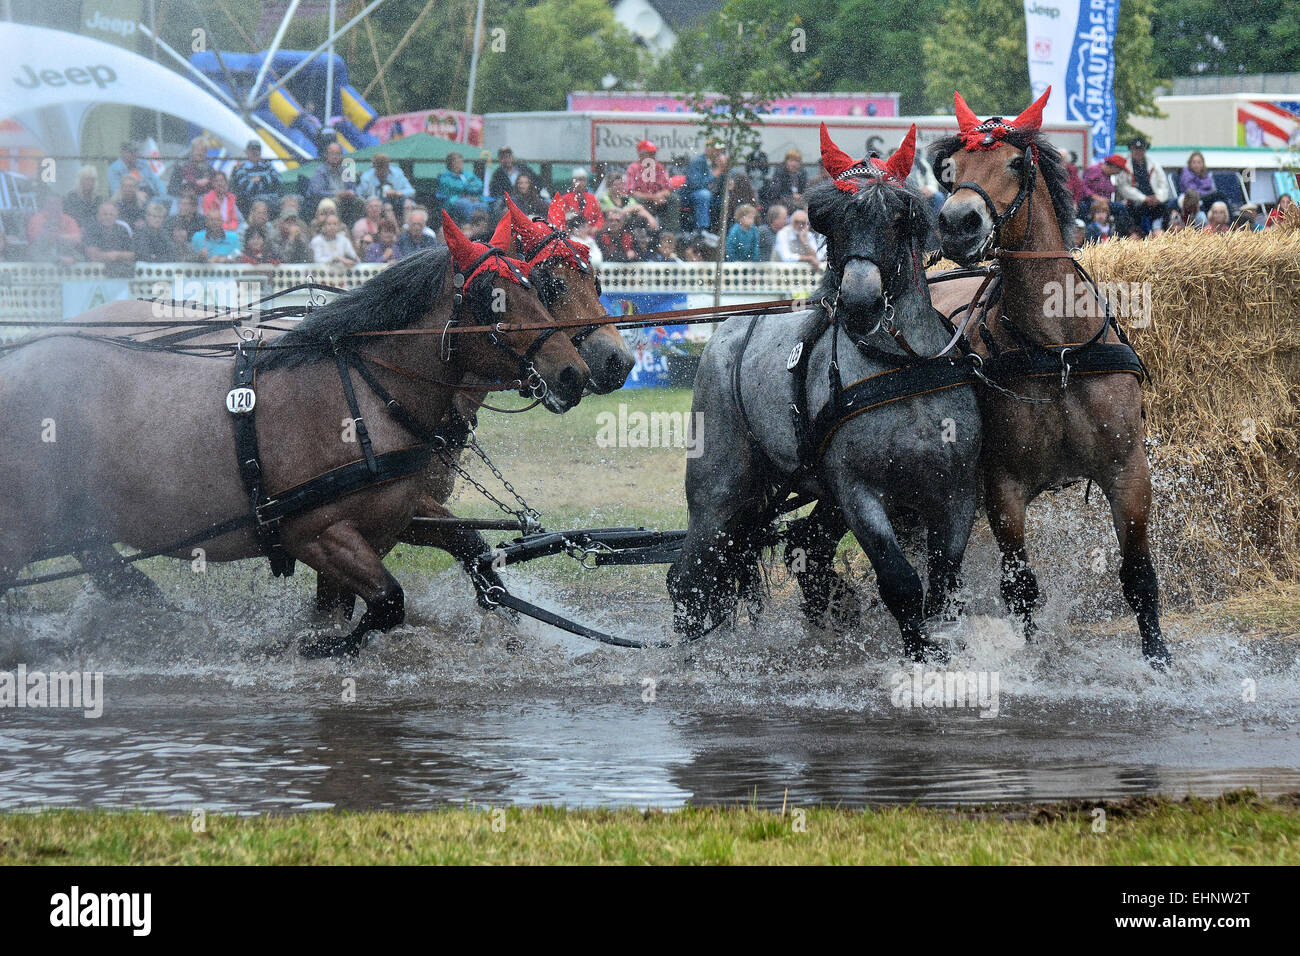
{"type": "Point", "coordinates": [577, 200]}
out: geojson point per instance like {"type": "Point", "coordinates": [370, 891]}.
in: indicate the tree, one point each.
{"type": "Point", "coordinates": [1224, 37]}
{"type": "Point", "coordinates": [875, 46]}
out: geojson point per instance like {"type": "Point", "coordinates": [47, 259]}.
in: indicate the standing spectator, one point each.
{"type": "Point", "coordinates": [195, 173]}
{"type": "Point", "coordinates": [291, 240]}
{"type": "Point", "coordinates": [215, 243]}
{"type": "Point", "coordinates": [332, 246]}
{"type": "Point", "coordinates": [704, 181]}
{"type": "Point", "coordinates": [152, 242]}
{"type": "Point", "coordinates": [109, 241]}
{"type": "Point", "coordinates": [1073, 182]}
{"type": "Point", "coordinates": [255, 180]}
{"type": "Point", "coordinates": [742, 237]}
{"type": "Point", "coordinates": [259, 217]}
{"type": "Point", "coordinates": [53, 235]}
{"type": "Point", "coordinates": [777, 216]}
{"type": "Point", "coordinates": [459, 189]}
{"type": "Point", "coordinates": [615, 241]}
{"type": "Point", "coordinates": [130, 207]}
{"type": "Point", "coordinates": [506, 175]}
{"type": "Point", "coordinates": [527, 197]}
{"type": "Point", "coordinates": [83, 202]}
{"type": "Point", "coordinates": [222, 199]}
{"type": "Point", "coordinates": [577, 200]}
{"type": "Point", "coordinates": [1196, 178]}
{"type": "Point", "coordinates": [1279, 212]}
{"type": "Point", "coordinates": [1098, 184]}
{"type": "Point", "coordinates": [256, 250]}
{"type": "Point", "coordinates": [416, 234]}
{"type": "Point", "coordinates": [789, 182]}
{"type": "Point", "coordinates": [798, 243]}
{"type": "Point", "coordinates": [1218, 220]}
{"type": "Point", "coordinates": [616, 197]}
{"type": "Point", "coordinates": [187, 215]}
{"type": "Point", "coordinates": [1145, 188]}
{"type": "Point", "coordinates": [128, 166]}
{"type": "Point", "coordinates": [365, 229]}
{"type": "Point", "coordinates": [385, 181]}
{"type": "Point", "coordinates": [647, 181]}
{"type": "Point", "coordinates": [384, 246]}
{"type": "Point", "coordinates": [333, 180]}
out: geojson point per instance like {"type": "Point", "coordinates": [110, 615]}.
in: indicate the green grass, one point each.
{"type": "Point", "coordinates": [1235, 829]}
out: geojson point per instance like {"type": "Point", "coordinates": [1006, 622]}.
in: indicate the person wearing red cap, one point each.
{"type": "Point", "coordinates": [578, 200]}
{"type": "Point", "coordinates": [1098, 184]}
{"type": "Point", "coordinates": [647, 182]}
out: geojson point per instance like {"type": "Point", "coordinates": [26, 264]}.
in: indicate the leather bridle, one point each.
{"type": "Point", "coordinates": [1025, 194]}
{"type": "Point", "coordinates": [531, 254]}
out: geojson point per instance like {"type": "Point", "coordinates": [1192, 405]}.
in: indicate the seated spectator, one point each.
{"type": "Point", "coordinates": [107, 240]}
{"type": "Point", "coordinates": [798, 243]}
{"type": "Point", "coordinates": [182, 247]}
{"type": "Point", "coordinates": [479, 226]}
{"type": "Point", "coordinates": [1196, 178]}
{"type": "Point", "coordinates": [1073, 182]}
{"type": "Point", "coordinates": [129, 166]}
{"type": "Point", "coordinates": [384, 246]}
{"type": "Point", "coordinates": [648, 183]}
{"type": "Point", "coordinates": [259, 217]}
{"type": "Point", "coordinates": [789, 182]}
{"type": "Point", "coordinates": [187, 215]}
{"type": "Point", "coordinates": [366, 228]}
{"type": "Point", "coordinates": [1080, 233]}
{"type": "Point", "coordinates": [291, 240]}
{"type": "Point", "coordinates": [385, 181]}
{"type": "Point", "coordinates": [1145, 188]}
{"type": "Point", "coordinates": [527, 196]}
{"type": "Point", "coordinates": [215, 243]}
{"type": "Point", "coordinates": [83, 202]}
{"type": "Point", "coordinates": [130, 207]}
{"type": "Point", "coordinates": [53, 235]}
{"type": "Point", "coordinates": [416, 235]}
{"type": "Point", "coordinates": [777, 217]}
{"type": "Point", "coordinates": [740, 194]}
{"type": "Point", "coordinates": [579, 229]}
{"type": "Point", "coordinates": [195, 173]}
{"type": "Point", "coordinates": [615, 241]}
{"type": "Point", "coordinates": [255, 250]}
{"type": "Point", "coordinates": [1099, 226]}
{"type": "Point", "coordinates": [337, 182]}
{"type": "Point", "coordinates": [616, 197]}
{"type": "Point", "coordinates": [704, 181]}
{"type": "Point", "coordinates": [742, 237]}
{"type": "Point", "coordinates": [506, 175]}
{"type": "Point", "coordinates": [922, 180]}
{"type": "Point", "coordinates": [1279, 212]}
{"type": "Point", "coordinates": [1098, 184]}
{"type": "Point", "coordinates": [665, 248]}
{"type": "Point", "coordinates": [222, 199]}
{"type": "Point", "coordinates": [332, 246]}
{"type": "Point", "coordinates": [459, 190]}
{"type": "Point", "coordinates": [1190, 210]}
{"type": "Point", "coordinates": [290, 205]}
{"type": "Point", "coordinates": [578, 200]}
{"type": "Point", "coordinates": [1218, 220]}
{"type": "Point", "coordinates": [152, 242]}
{"type": "Point", "coordinates": [255, 180]}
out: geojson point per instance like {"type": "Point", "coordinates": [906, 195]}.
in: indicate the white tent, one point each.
{"type": "Point", "coordinates": [52, 79]}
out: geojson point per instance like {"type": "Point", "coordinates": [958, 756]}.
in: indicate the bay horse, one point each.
{"type": "Point", "coordinates": [1066, 399]}
{"type": "Point", "coordinates": [109, 442]}
{"type": "Point", "coordinates": [906, 454]}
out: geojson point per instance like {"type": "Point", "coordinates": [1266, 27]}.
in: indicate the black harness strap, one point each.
{"type": "Point", "coordinates": [250, 466]}
{"type": "Point", "coordinates": [344, 480]}
{"type": "Point", "coordinates": [1064, 361]}
{"type": "Point", "coordinates": [363, 434]}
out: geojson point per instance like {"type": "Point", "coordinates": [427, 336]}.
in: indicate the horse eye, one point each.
{"type": "Point", "coordinates": [1016, 164]}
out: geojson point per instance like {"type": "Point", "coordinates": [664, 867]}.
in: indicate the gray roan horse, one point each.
{"type": "Point", "coordinates": [1066, 399]}
{"type": "Point", "coordinates": [108, 442]}
{"type": "Point", "coordinates": [906, 457]}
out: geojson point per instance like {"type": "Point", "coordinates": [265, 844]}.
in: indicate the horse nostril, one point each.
{"type": "Point", "coordinates": [571, 382]}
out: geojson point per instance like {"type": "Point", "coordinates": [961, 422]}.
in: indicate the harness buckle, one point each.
{"type": "Point", "coordinates": [1065, 368]}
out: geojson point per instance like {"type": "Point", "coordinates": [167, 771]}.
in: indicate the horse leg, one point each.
{"type": "Point", "coordinates": [465, 546]}
{"type": "Point", "coordinates": [709, 574]}
{"type": "Point", "coordinates": [946, 545]}
{"type": "Point", "coordinates": [1005, 501]}
{"type": "Point", "coordinates": [828, 598]}
{"type": "Point", "coordinates": [117, 579]}
{"type": "Point", "coordinates": [1130, 504]}
{"type": "Point", "coordinates": [332, 596]}
{"type": "Point", "coordinates": [342, 555]}
{"type": "Point", "coordinates": [900, 585]}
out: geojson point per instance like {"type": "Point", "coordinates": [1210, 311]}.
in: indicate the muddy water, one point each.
{"type": "Point", "coordinates": [207, 704]}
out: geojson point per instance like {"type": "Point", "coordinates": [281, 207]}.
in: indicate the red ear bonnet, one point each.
{"type": "Point", "coordinates": [465, 252]}
{"type": "Point", "coordinates": [845, 171]}
{"type": "Point", "coordinates": [987, 135]}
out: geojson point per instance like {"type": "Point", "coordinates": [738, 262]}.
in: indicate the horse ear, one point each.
{"type": "Point", "coordinates": [900, 164]}
{"type": "Point", "coordinates": [524, 228]}
{"type": "Point", "coordinates": [966, 118]}
{"type": "Point", "coordinates": [459, 244]}
{"type": "Point", "coordinates": [502, 236]}
{"type": "Point", "coordinates": [1032, 118]}
{"type": "Point", "coordinates": [833, 158]}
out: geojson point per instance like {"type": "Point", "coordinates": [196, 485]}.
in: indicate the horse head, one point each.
{"type": "Point", "coordinates": [875, 230]}
{"type": "Point", "coordinates": [568, 286]}
{"type": "Point", "coordinates": [495, 289]}
{"type": "Point", "coordinates": [991, 170]}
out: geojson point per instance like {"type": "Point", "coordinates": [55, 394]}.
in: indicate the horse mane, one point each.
{"type": "Point", "coordinates": [396, 298]}
{"type": "Point", "coordinates": [550, 287]}
{"type": "Point", "coordinates": [1050, 162]}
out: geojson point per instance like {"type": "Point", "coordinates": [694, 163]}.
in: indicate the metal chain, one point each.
{"type": "Point", "coordinates": [530, 519]}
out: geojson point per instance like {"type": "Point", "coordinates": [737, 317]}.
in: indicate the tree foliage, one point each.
{"type": "Point", "coordinates": [1225, 37]}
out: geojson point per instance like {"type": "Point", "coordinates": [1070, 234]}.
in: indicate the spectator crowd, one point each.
{"type": "Point", "coordinates": [643, 212]}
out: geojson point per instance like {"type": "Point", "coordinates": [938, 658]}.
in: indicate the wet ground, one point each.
{"type": "Point", "coordinates": [207, 704]}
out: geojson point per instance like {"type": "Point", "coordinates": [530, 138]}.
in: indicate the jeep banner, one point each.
{"type": "Point", "coordinates": [1071, 46]}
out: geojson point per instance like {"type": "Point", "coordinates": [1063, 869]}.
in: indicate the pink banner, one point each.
{"type": "Point", "coordinates": [800, 104]}
{"type": "Point", "coordinates": [445, 123]}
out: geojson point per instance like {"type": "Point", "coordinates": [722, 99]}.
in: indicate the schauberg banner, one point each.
{"type": "Point", "coordinates": [1072, 49]}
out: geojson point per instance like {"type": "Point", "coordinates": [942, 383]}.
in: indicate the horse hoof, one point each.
{"type": "Point", "coordinates": [331, 645]}
{"type": "Point", "coordinates": [1158, 657]}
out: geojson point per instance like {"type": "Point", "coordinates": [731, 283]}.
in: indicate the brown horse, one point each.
{"type": "Point", "coordinates": [1066, 399]}
{"type": "Point", "coordinates": [110, 443]}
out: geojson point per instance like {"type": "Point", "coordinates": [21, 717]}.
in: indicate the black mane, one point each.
{"type": "Point", "coordinates": [1050, 161]}
{"type": "Point", "coordinates": [396, 298]}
